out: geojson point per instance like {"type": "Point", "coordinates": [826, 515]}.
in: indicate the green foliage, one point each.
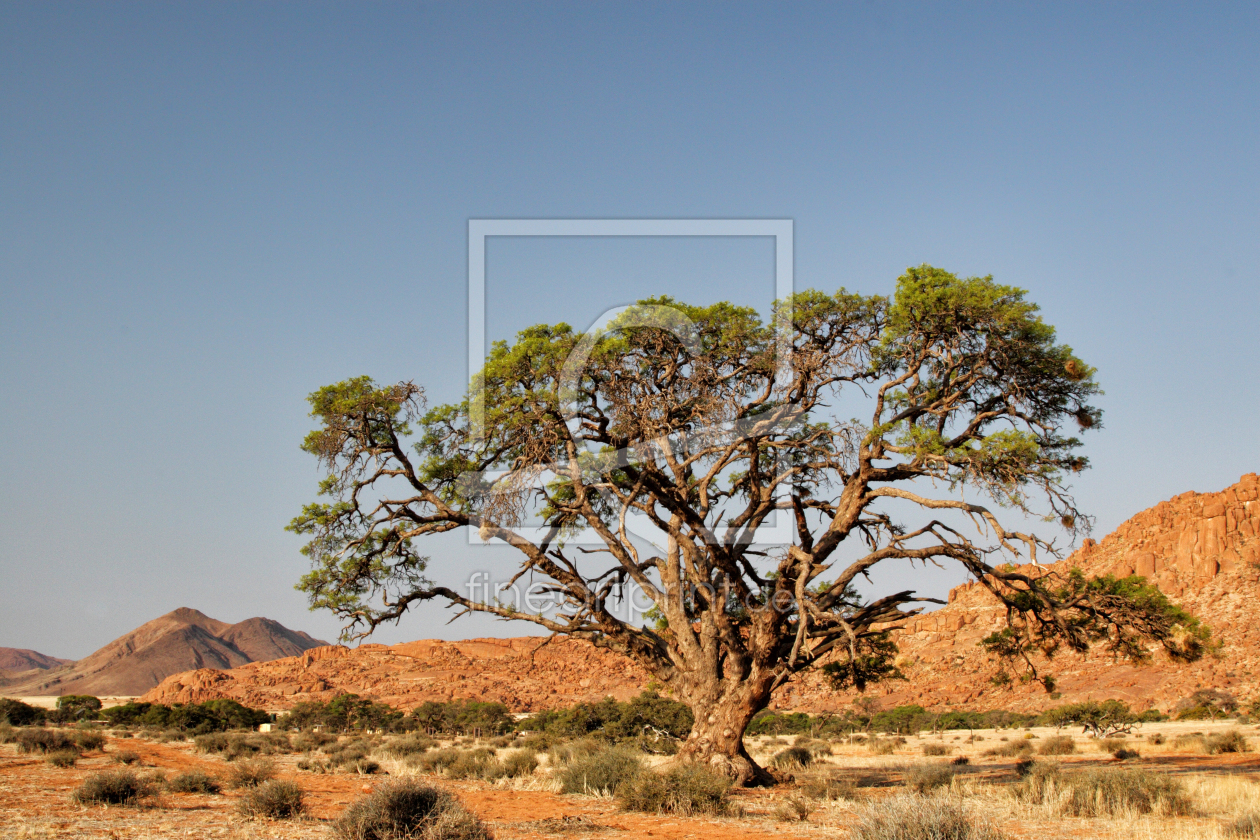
{"type": "Point", "coordinates": [649, 721]}
{"type": "Point", "coordinates": [343, 713]}
{"type": "Point", "coordinates": [461, 717]}
{"type": "Point", "coordinates": [871, 661]}
{"type": "Point", "coordinates": [211, 716]}
{"type": "Point", "coordinates": [683, 789]}
{"type": "Point", "coordinates": [75, 707]}
{"type": "Point", "coordinates": [1122, 614]}
{"type": "Point", "coordinates": [274, 800]}
{"type": "Point", "coordinates": [405, 809]}
{"type": "Point", "coordinates": [1109, 717]}
{"type": "Point", "coordinates": [17, 713]}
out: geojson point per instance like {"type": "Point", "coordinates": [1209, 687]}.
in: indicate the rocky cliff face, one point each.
{"type": "Point", "coordinates": [1202, 549]}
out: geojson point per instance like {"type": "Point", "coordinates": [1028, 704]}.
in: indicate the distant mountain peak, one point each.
{"type": "Point", "coordinates": [180, 640]}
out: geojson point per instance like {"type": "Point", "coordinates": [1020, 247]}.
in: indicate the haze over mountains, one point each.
{"type": "Point", "coordinates": [137, 661]}
{"type": "Point", "coordinates": [1202, 549]}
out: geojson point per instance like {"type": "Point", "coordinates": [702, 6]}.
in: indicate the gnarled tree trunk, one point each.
{"type": "Point", "coordinates": [722, 713]}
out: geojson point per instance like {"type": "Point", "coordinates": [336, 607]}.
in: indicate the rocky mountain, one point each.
{"type": "Point", "coordinates": [1202, 549]}
{"type": "Point", "coordinates": [178, 641]}
{"type": "Point", "coordinates": [523, 673]}
{"type": "Point", "coordinates": [20, 659]}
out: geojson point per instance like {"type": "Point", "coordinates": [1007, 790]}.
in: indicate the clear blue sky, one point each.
{"type": "Point", "coordinates": [209, 210]}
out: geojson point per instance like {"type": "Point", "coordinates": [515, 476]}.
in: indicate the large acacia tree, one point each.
{"type": "Point", "coordinates": [705, 422]}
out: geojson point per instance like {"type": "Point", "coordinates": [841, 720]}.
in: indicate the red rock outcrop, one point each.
{"type": "Point", "coordinates": [1202, 549]}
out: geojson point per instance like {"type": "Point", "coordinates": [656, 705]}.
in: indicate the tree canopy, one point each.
{"type": "Point", "coordinates": [704, 423]}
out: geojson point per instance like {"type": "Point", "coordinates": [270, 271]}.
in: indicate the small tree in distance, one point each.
{"type": "Point", "coordinates": [705, 422]}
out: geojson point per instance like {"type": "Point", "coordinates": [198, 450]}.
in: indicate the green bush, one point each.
{"type": "Point", "coordinates": [62, 758]}
{"type": "Point", "coordinates": [17, 713]}
{"type": "Point", "coordinates": [922, 778]}
{"type": "Point", "coordinates": [683, 789]}
{"type": "Point", "coordinates": [276, 800]}
{"type": "Point", "coordinates": [405, 809]}
{"type": "Point", "coordinates": [113, 787]}
{"type": "Point", "coordinates": [599, 773]}
{"type": "Point", "coordinates": [248, 774]}
{"type": "Point", "coordinates": [909, 817]}
{"type": "Point", "coordinates": [1057, 745]}
{"type": "Point", "coordinates": [410, 745]}
{"type": "Point", "coordinates": [793, 758]}
{"type": "Point", "coordinates": [194, 781]}
{"type": "Point", "coordinates": [514, 765]}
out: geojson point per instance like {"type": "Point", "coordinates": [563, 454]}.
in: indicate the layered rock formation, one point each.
{"type": "Point", "coordinates": [1202, 549]}
{"type": "Point", "coordinates": [180, 640]}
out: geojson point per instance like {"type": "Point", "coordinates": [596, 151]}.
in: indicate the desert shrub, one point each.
{"type": "Point", "coordinates": [922, 778]}
{"type": "Point", "coordinates": [409, 745]}
{"type": "Point", "coordinates": [1110, 745]}
{"type": "Point", "coordinates": [1248, 825]}
{"type": "Point", "coordinates": [89, 741]}
{"type": "Point", "coordinates": [793, 809]}
{"type": "Point", "coordinates": [793, 758]}
{"type": "Point", "coordinates": [884, 746]}
{"type": "Point", "coordinates": [7, 733]}
{"type": "Point", "coordinates": [685, 789]}
{"type": "Point", "coordinates": [307, 741]}
{"type": "Point", "coordinates": [62, 758]}
{"type": "Point", "coordinates": [937, 749]}
{"type": "Point", "coordinates": [248, 774]}
{"type": "Point", "coordinates": [471, 764]}
{"type": "Point", "coordinates": [126, 757]}
{"type": "Point", "coordinates": [514, 765]}
{"type": "Point", "coordinates": [168, 735]}
{"type": "Point", "coordinates": [599, 773]}
{"type": "Point", "coordinates": [35, 740]}
{"type": "Point", "coordinates": [362, 766]}
{"type": "Point", "coordinates": [1104, 792]}
{"type": "Point", "coordinates": [194, 781]}
{"type": "Point", "coordinates": [274, 800]}
{"type": "Point", "coordinates": [1057, 745]}
{"type": "Point", "coordinates": [828, 787]}
{"type": "Point", "coordinates": [961, 761]}
{"type": "Point", "coordinates": [1155, 739]}
{"type": "Point", "coordinates": [569, 751]}
{"type": "Point", "coordinates": [817, 746]}
{"type": "Point", "coordinates": [1124, 754]}
{"type": "Point", "coordinates": [436, 761]}
{"type": "Point", "coordinates": [1013, 749]}
{"type": "Point", "coordinates": [908, 817]}
{"type": "Point", "coordinates": [1225, 742]}
{"type": "Point", "coordinates": [113, 787]}
{"type": "Point", "coordinates": [211, 742]}
{"type": "Point", "coordinates": [403, 809]}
